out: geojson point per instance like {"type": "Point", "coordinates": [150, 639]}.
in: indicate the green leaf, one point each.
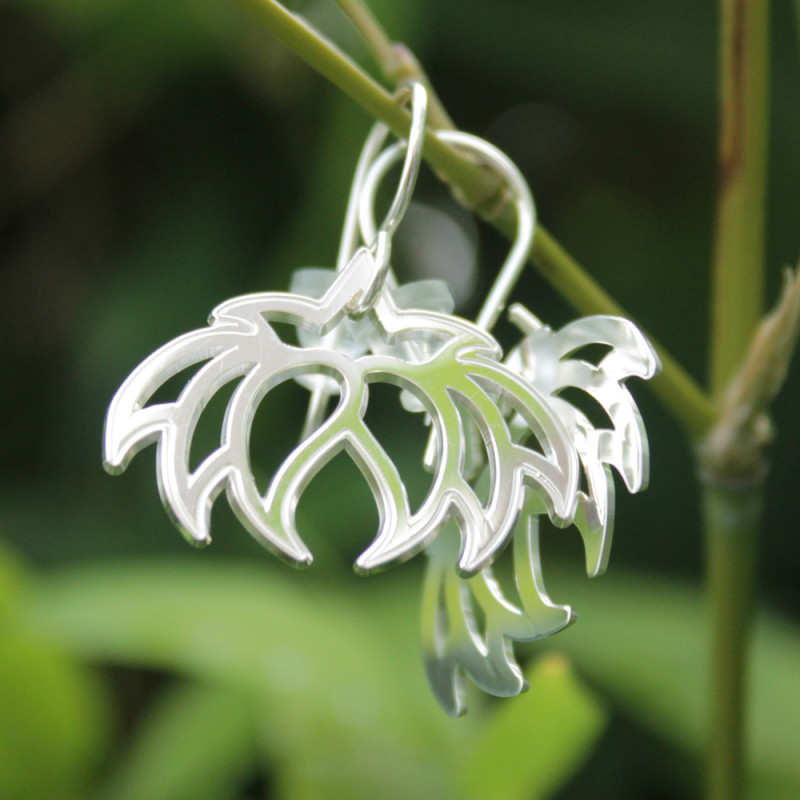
{"type": "Point", "coordinates": [198, 743]}
{"type": "Point", "coordinates": [53, 723]}
{"type": "Point", "coordinates": [345, 706]}
{"type": "Point", "coordinates": [51, 720]}
{"type": "Point", "coordinates": [643, 640]}
{"type": "Point", "coordinates": [534, 744]}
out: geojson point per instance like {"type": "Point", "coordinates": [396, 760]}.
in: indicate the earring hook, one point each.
{"type": "Point", "coordinates": [380, 240]}
{"type": "Point", "coordinates": [526, 224]}
{"type": "Point", "coordinates": [516, 184]}
{"type": "Point", "coordinates": [418, 96]}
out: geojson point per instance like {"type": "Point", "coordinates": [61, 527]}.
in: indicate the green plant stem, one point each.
{"type": "Point", "coordinates": [738, 270]}
{"type": "Point", "coordinates": [379, 44]}
{"type": "Point", "coordinates": [732, 504]}
{"type": "Point", "coordinates": [478, 187]}
{"type": "Point", "coordinates": [480, 190]}
{"type": "Point", "coordinates": [397, 63]}
{"type": "Point", "coordinates": [733, 518]}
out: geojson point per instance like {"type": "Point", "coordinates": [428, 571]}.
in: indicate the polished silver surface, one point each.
{"type": "Point", "coordinates": [452, 640]}
{"type": "Point", "coordinates": [239, 344]}
{"type": "Point", "coordinates": [415, 93]}
{"type": "Point", "coordinates": [548, 359]}
{"type": "Point", "coordinates": [371, 171]}
{"type": "Point", "coordinates": [448, 365]}
{"type": "Point", "coordinates": [455, 644]}
{"type": "Point", "coordinates": [418, 97]}
{"type": "Point", "coordinates": [518, 193]}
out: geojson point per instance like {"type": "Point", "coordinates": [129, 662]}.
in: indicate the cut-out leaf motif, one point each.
{"type": "Point", "coordinates": [449, 366]}
{"type": "Point", "coordinates": [456, 639]}
{"type": "Point", "coordinates": [456, 644]}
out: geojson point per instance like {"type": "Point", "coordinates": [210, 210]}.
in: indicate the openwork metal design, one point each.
{"type": "Point", "coordinates": [455, 643]}
{"type": "Point", "coordinates": [447, 364]}
{"type": "Point", "coordinates": [507, 444]}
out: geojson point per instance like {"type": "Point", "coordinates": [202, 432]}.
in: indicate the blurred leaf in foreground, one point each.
{"type": "Point", "coordinates": [345, 707]}
{"type": "Point", "coordinates": [535, 743]}
{"type": "Point", "coordinates": [642, 639]}
{"type": "Point", "coordinates": [53, 723]}
{"type": "Point", "coordinates": [196, 744]}
{"type": "Point", "coordinates": [345, 711]}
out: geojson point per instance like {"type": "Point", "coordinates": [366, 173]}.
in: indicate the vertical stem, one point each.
{"type": "Point", "coordinates": [732, 519]}
{"type": "Point", "coordinates": [739, 241]}
{"type": "Point", "coordinates": [732, 503]}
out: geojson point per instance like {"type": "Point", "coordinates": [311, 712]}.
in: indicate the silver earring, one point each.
{"type": "Point", "coordinates": [499, 428]}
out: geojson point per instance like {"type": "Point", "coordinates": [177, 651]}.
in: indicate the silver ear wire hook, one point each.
{"type": "Point", "coordinates": [516, 185]}
{"type": "Point", "coordinates": [408, 178]}
{"type": "Point", "coordinates": [517, 256]}
{"type": "Point", "coordinates": [380, 240]}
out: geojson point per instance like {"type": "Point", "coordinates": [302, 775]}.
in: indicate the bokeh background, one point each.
{"type": "Point", "coordinates": [157, 158]}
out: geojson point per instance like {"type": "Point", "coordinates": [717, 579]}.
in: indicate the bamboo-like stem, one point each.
{"type": "Point", "coordinates": [732, 520]}
{"type": "Point", "coordinates": [397, 63]}
{"type": "Point", "coordinates": [738, 269]}
{"type": "Point", "coordinates": [480, 189]}
{"type": "Point", "coordinates": [732, 502]}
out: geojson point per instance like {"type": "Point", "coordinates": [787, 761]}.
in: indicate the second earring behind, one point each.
{"type": "Point", "coordinates": [469, 620]}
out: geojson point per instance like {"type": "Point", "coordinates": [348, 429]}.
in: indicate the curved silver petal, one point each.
{"type": "Point", "coordinates": [446, 365]}
{"type": "Point", "coordinates": [461, 380]}
{"type": "Point", "coordinates": [239, 343]}
{"type": "Point", "coordinates": [551, 361]}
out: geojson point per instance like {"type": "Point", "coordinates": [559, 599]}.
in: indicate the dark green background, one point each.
{"type": "Point", "coordinates": [157, 158]}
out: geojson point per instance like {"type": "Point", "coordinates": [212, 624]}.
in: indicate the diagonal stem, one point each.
{"type": "Point", "coordinates": [397, 63]}
{"type": "Point", "coordinates": [479, 189]}
{"type": "Point", "coordinates": [379, 44]}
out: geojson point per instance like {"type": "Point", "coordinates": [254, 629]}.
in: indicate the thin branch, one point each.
{"type": "Point", "coordinates": [480, 190]}
{"type": "Point", "coordinates": [373, 34]}
{"type": "Point", "coordinates": [735, 448]}
{"type": "Point", "coordinates": [397, 63]}
{"type": "Point", "coordinates": [478, 187]}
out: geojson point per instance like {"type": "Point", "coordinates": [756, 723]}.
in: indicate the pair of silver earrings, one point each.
{"type": "Point", "coordinates": [505, 447]}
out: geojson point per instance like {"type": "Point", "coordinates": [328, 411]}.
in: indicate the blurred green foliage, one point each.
{"type": "Point", "coordinates": [156, 158]}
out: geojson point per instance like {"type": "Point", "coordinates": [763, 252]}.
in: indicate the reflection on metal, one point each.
{"type": "Point", "coordinates": [448, 365]}
{"type": "Point", "coordinates": [506, 444]}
